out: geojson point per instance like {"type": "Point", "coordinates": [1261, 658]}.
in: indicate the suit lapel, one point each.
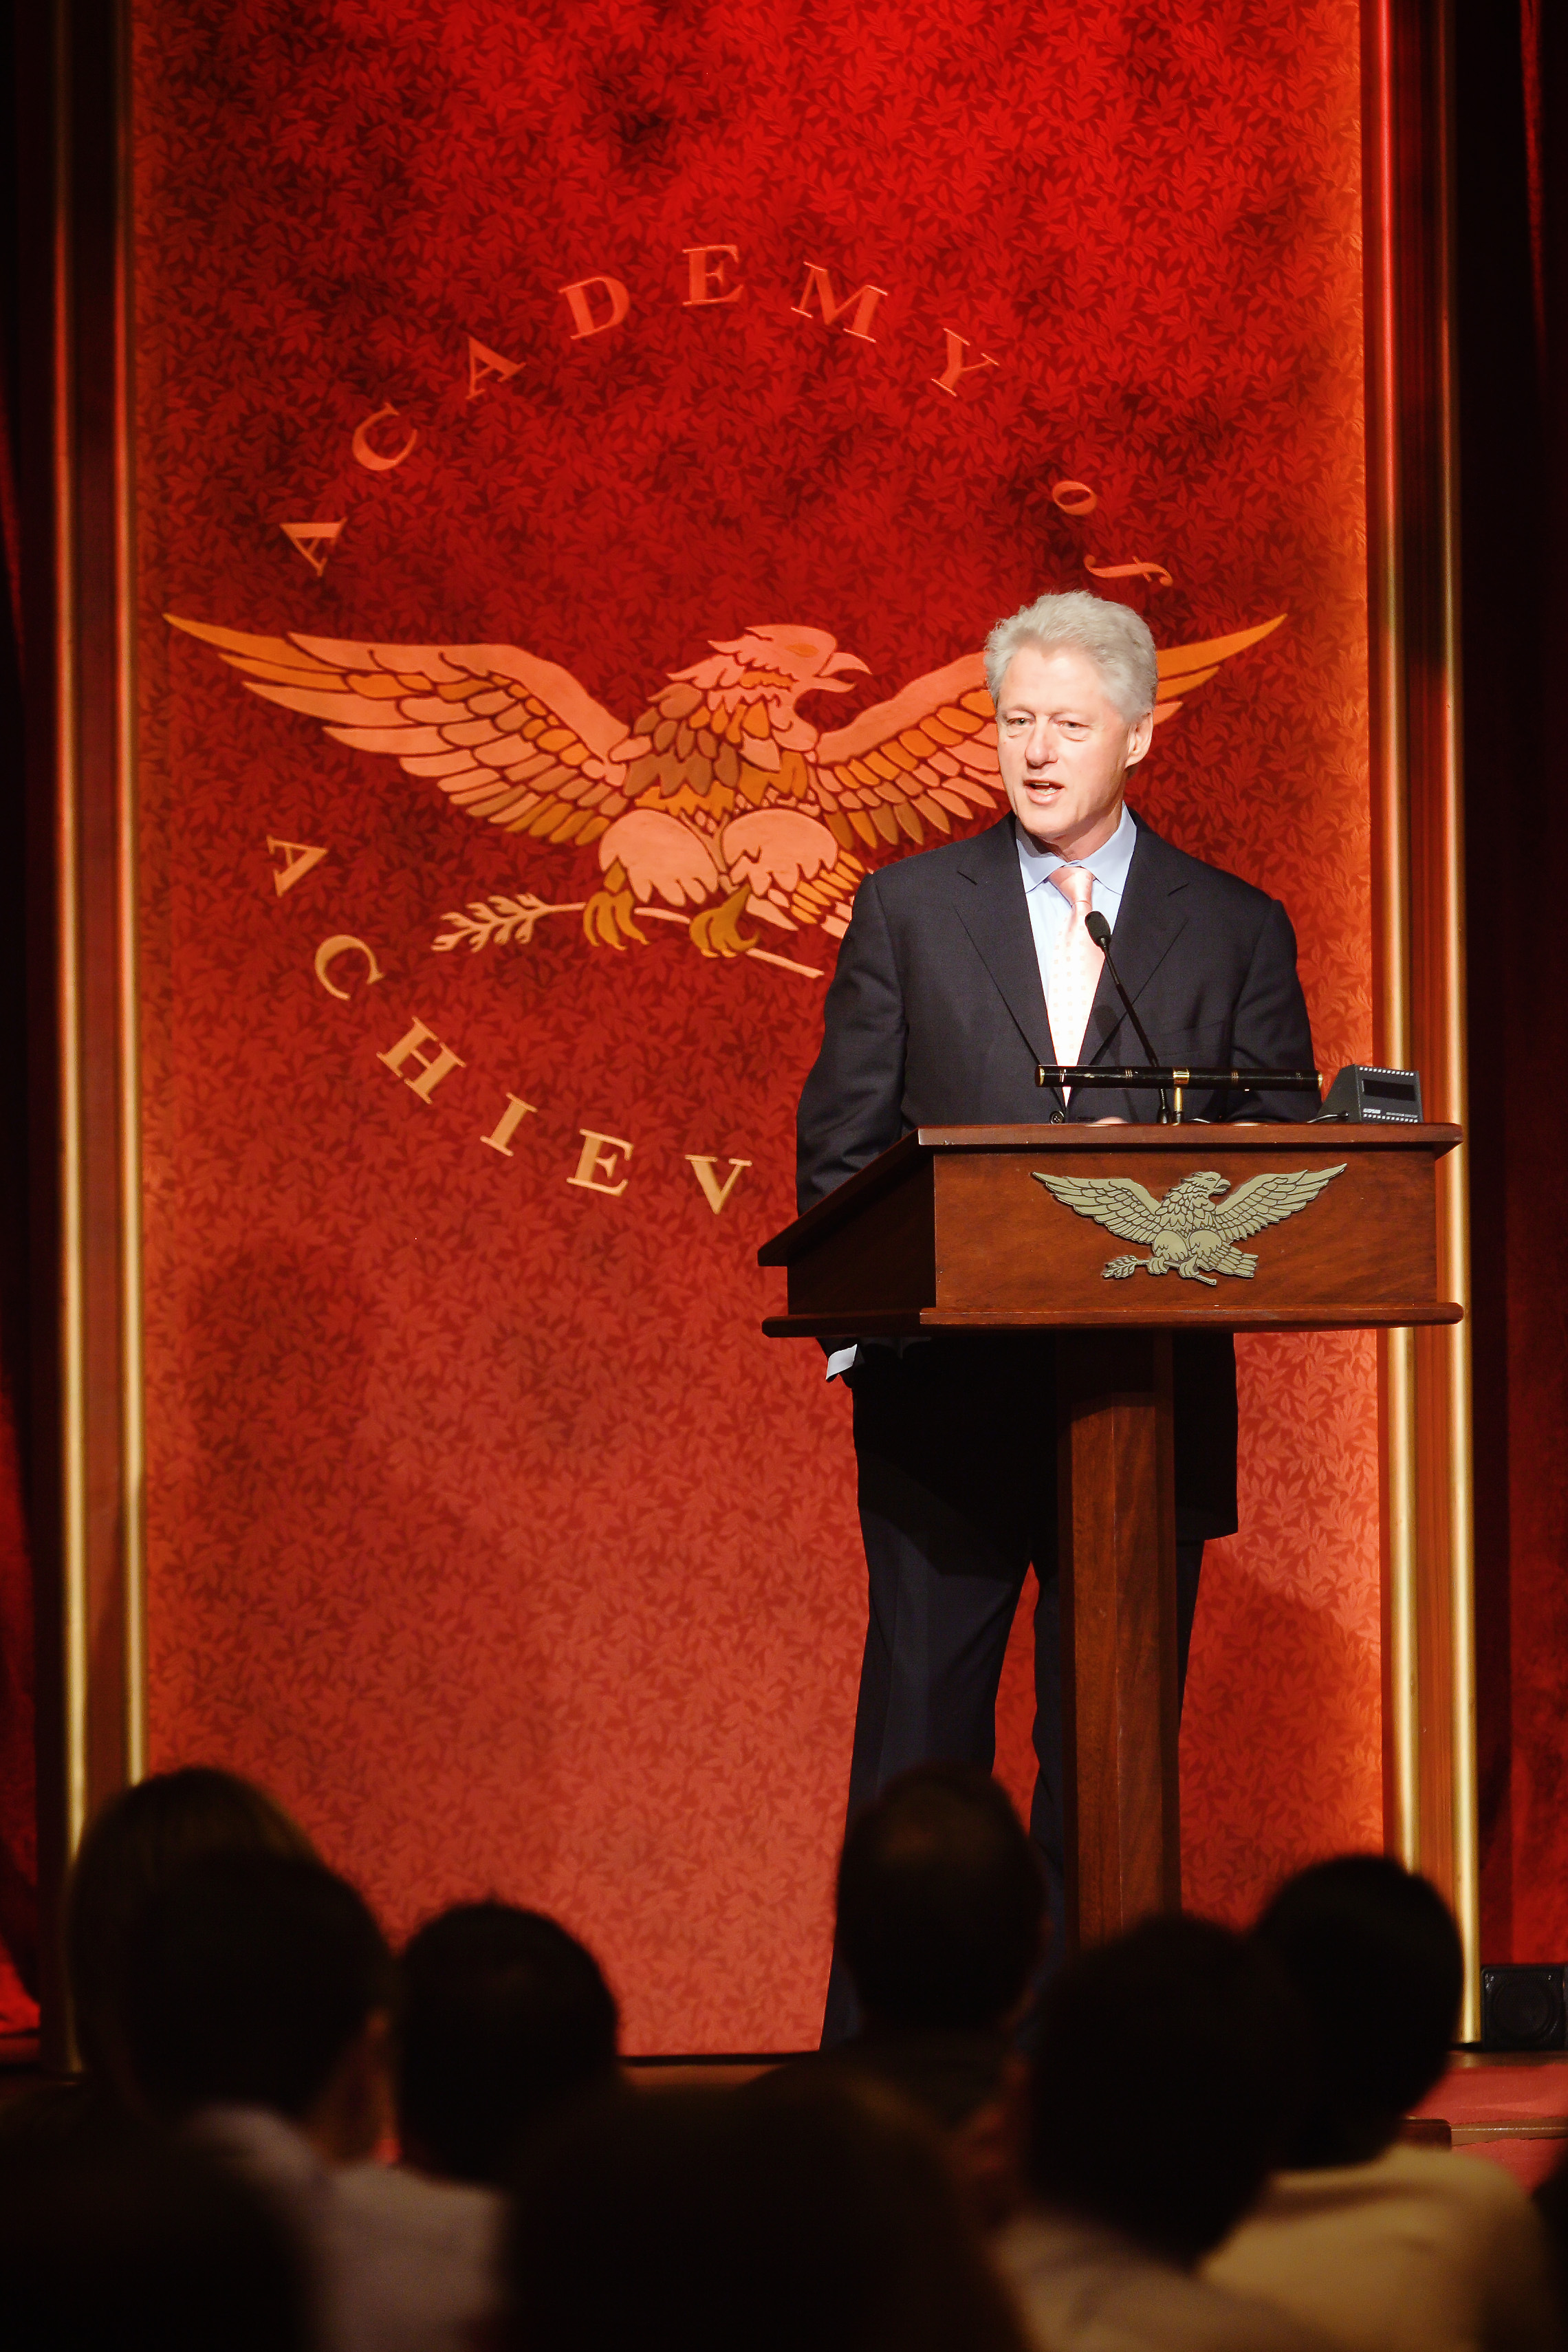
{"type": "Point", "coordinates": [1153, 916]}
{"type": "Point", "coordinates": [994, 910]}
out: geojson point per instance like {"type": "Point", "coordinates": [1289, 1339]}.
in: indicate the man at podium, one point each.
{"type": "Point", "coordinates": [963, 970]}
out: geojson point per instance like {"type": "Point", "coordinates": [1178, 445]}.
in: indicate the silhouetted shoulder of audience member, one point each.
{"type": "Point", "coordinates": [819, 2215]}
{"type": "Point", "coordinates": [1163, 2092]}
{"type": "Point", "coordinates": [1378, 2244]}
{"type": "Point", "coordinates": [941, 1904]}
{"type": "Point", "coordinates": [974, 2087]}
{"type": "Point", "coordinates": [1550, 2203]}
{"type": "Point", "coordinates": [138, 1843]}
{"type": "Point", "coordinates": [504, 2016]}
{"type": "Point", "coordinates": [258, 2009]}
{"type": "Point", "coordinates": [62, 2112]}
{"type": "Point", "coordinates": [155, 2250]}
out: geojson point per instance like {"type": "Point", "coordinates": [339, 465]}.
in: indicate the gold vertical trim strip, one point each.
{"type": "Point", "coordinates": [1387, 590]}
{"type": "Point", "coordinates": [1401, 1666]}
{"type": "Point", "coordinates": [74, 1631]}
{"type": "Point", "coordinates": [1429, 1693]}
{"type": "Point", "coordinates": [1454, 1194]}
{"type": "Point", "coordinates": [1462, 1564]}
{"type": "Point", "coordinates": [1391, 847]}
{"type": "Point", "coordinates": [133, 1349]}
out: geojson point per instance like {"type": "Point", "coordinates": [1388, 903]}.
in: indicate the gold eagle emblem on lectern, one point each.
{"type": "Point", "coordinates": [1190, 1232]}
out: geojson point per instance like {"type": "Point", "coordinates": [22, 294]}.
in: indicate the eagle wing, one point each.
{"type": "Point", "coordinates": [923, 757]}
{"type": "Point", "coordinates": [1270, 1200]}
{"type": "Point", "coordinates": [1183, 668]}
{"type": "Point", "coordinates": [929, 755]}
{"type": "Point", "coordinates": [1123, 1207]}
{"type": "Point", "coordinates": [506, 736]}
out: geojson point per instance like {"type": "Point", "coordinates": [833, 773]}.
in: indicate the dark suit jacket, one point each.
{"type": "Point", "coordinates": [936, 1017]}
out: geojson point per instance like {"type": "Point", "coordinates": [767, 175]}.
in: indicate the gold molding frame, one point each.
{"type": "Point", "coordinates": [1429, 1739]}
{"type": "Point", "coordinates": [78, 598]}
{"type": "Point", "coordinates": [133, 1351]}
{"type": "Point", "coordinates": [72, 65]}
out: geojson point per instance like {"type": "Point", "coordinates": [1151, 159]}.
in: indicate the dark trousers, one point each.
{"type": "Point", "coordinates": [956, 1446]}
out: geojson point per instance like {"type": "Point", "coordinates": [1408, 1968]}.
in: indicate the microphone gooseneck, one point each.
{"type": "Point", "coordinates": [1099, 930]}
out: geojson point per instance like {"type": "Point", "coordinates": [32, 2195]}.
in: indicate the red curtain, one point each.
{"type": "Point", "coordinates": [18, 1840]}
{"type": "Point", "coordinates": [1512, 290]}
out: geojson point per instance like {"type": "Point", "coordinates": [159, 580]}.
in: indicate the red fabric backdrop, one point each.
{"type": "Point", "coordinates": [483, 1525]}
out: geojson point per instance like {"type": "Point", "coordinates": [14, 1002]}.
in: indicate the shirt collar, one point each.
{"type": "Point", "coordinates": [1108, 863]}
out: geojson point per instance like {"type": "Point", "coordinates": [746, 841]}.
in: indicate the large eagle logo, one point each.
{"type": "Point", "coordinates": [1190, 1232]}
{"type": "Point", "coordinates": [722, 799]}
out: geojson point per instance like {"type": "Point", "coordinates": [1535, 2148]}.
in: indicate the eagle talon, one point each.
{"type": "Point", "coordinates": [607, 918]}
{"type": "Point", "coordinates": [717, 931]}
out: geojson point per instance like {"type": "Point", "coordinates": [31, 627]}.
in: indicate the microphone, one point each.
{"type": "Point", "coordinates": [1099, 930]}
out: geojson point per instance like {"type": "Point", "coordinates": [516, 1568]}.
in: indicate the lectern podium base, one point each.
{"type": "Point", "coordinates": [1116, 1567]}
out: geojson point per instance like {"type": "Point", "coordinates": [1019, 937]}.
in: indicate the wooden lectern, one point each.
{"type": "Point", "coordinates": [1114, 1237]}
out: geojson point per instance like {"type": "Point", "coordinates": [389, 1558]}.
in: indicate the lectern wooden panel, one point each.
{"type": "Point", "coordinates": [1110, 1239]}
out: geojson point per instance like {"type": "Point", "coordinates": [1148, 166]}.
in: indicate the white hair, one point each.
{"type": "Point", "coordinates": [1114, 636]}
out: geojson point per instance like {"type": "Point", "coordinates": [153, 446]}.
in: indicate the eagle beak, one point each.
{"type": "Point", "coordinates": [826, 683]}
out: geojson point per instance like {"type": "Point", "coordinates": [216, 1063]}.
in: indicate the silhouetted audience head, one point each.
{"type": "Point", "coordinates": [154, 2249]}
{"type": "Point", "coordinates": [505, 2015]}
{"type": "Point", "coordinates": [137, 1846]}
{"type": "Point", "coordinates": [942, 1902]}
{"type": "Point", "coordinates": [1165, 2084]}
{"type": "Point", "coordinates": [1375, 1960]}
{"type": "Point", "coordinates": [256, 1980]}
{"type": "Point", "coordinates": [811, 2215]}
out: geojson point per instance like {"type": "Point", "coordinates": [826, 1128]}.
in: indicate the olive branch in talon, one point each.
{"type": "Point", "coordinates": [498, 922]}
{"type": "Point", "coordinates": [502, 923]}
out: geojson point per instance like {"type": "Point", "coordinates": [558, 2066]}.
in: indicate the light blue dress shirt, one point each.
{"type": "Point", "coordinates": [1049, 911]}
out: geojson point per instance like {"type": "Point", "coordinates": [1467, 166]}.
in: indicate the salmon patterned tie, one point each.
{"type": "Point", "coordinates": [1076, 967]}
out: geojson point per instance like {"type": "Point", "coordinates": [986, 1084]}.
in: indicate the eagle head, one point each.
{"type": "Point", "coordinates": [774, 666]}
{"type": "Point", "coordinates": [810, 657]}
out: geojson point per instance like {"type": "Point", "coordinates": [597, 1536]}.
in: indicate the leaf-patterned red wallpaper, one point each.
{"type": "Point", "coordinates": [534, 409]}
